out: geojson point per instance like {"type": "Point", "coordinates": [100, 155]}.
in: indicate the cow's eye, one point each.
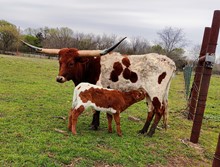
{"type": "Point", "coordinates": [71, 64]}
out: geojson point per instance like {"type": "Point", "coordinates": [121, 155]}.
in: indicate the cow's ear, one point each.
{"type": "Point", "coordinates": [82, 60]}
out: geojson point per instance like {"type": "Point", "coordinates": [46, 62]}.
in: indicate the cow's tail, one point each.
{"type": "Point", "coordinates": [165, 99]}
{"type": "Point", "coordinates": [165, 116]}
{"type": "Point", "coordinates": [165, 103]}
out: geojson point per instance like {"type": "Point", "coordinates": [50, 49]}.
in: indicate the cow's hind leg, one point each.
{"type": "Point", "coordinates": [157, 118]}
{"type": "Point", "coordinates": [147, 123]}
{"type": "Point", "coordinates": [95, 120]}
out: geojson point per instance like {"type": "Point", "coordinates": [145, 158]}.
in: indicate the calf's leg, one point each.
{"type": "Point", "coordinates": [70, 120]}
{"type": "Point", "coordinates": [117, 121]}
{"type": "Point", "coordinates": [75, 115]}
{"type": "Point", "coordinates": [109, 116]}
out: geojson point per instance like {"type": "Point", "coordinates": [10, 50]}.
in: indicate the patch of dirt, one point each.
{"type": "Point", "coordinates": [74, 162]}
{"type": "Point", "coordinates": [181, 162]}
{"type": "Point", "coordinates": [171, 162]}
{"type": "Point", "coordinates": [197, 147]}
{"type": "Point", "coordinates": [1, 115]}
{"type": "Point", "coordinates": [101, 164]}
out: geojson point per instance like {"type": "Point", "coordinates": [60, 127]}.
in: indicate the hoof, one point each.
{"type": "Point", "coordinates": [149, 134]}
{"type": "Point", "coordinates": [74, 132]}
{"type": "Point", "coordinates": [120, 135]}
{"type": "Point", "coordinates": [69, 128]}
{"type": "Point", "coordinates": [93, 127]}
{"type": "Point", "coordinates": [141, 132]}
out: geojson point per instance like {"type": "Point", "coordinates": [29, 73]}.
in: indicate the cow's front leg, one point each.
{"type": "Point", "coordinates": [154, 125]}
{"type": "Point", "coordinates": [150, 116]}
{"type": "Point", "coordinates": [147, 123]}
{"type": "Point", "coordinates": [95, 120]}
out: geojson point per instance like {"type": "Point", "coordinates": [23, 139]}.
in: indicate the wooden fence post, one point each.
{"type": "Point", "coordinates": [209, 58]}
{"type": "Point", "coordinates": [216, 160]}
{"type": "Point", "coordinates": [198, 75]}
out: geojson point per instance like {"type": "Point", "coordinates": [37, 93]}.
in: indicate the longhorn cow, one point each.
{"type": "Point", "coordinates": [151, 72]}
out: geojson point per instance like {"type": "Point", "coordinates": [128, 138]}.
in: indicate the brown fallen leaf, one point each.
{"type": "Point", "coordinates": [59, 117]}
{"type": "Point", "coordinates": [61, 131]}
{"type": "Point", "coordinates": [133, 119]}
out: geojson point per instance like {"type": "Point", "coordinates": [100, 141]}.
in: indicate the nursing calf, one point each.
{"type": "Point", "coordinates": [111, 101]}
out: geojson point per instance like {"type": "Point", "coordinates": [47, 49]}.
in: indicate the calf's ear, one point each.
{"type": "Point", "coordinates": [139, 95]}
{"type": "Point", "coordinates": [136, 95]}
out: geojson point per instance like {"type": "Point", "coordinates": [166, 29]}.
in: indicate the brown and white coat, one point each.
{"type": "Point", "coordinates": [152, 72]}
{"type": "Point", "coordinates": [111, 101]}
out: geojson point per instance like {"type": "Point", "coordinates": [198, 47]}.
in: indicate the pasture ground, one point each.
{"type": "Point", "coordinates": [32, 133]}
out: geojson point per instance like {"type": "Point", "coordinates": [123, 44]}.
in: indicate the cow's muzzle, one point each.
{"type": "Point", "coordinates": [61, 79]}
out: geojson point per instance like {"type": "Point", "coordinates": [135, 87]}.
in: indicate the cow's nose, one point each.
{"type": "Point", "coordinates": [60, 79]}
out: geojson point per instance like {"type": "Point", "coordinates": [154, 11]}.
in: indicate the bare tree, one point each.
{"type": "Point", "coordinates": [173, 41]}
{"type": "Point", "coordinates": [140, 45]}
{"type": "Point", "coordinates": [194, 52]}
{"type": "Point", "coordinates": [65, 37]}
{"type": "Point", "coordinates": [105, 41]}
{"type": "Point", "coordinates": [30, 31]}
{"type": "Point", "coordinates": [172, 38]}
{"type": "Point", "coordinates": [84, 41]}
{"type": "Point", "coordinates": [58, 37]}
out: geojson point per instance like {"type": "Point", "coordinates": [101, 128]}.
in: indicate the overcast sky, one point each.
{"type": "Point", "coordinates": [131, 18]}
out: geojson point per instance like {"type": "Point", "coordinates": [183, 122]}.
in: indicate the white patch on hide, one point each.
{"type": "Point", "coordinates": [148, 67]}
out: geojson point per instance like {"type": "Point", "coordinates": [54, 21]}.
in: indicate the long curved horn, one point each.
{"type": "Point", "coordinates": [95, 53]}
{"type": "Point", "coordinates": [105, 51]}
{"type": "Point", "coordinates": [42, 50]}
{"type": "Point", "coordinates": [85, 53]}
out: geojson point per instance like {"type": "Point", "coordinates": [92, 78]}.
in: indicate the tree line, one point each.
{"type": "Point", "coordinates": [171, 41]}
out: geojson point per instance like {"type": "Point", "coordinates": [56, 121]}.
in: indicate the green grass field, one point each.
{"type": "Point", "coordinates": [31, 100]}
